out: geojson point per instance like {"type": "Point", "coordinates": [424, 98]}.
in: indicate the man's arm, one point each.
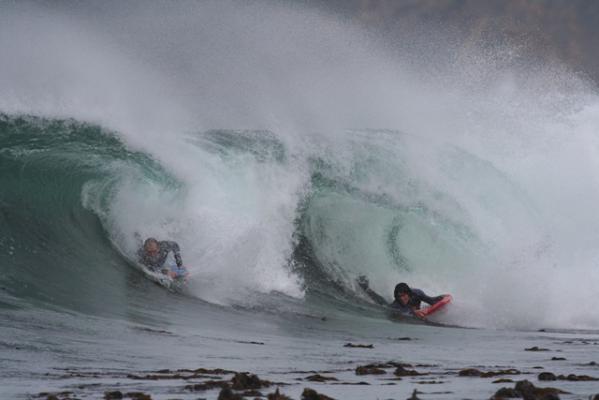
{"type": "Point", "coordinates": [174, 247]}
{"type": "Point", "coordinates": [428, 299]}
{"type": "Point", "coordinates": [377, 298]}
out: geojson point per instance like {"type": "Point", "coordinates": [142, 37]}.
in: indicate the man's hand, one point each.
{"type": "Point", "coordinates": [419, 314]}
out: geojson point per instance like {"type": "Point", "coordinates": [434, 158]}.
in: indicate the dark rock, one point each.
{"type": "Point", "coordinates": [595, 397]}
{"type": "Point", "coordinates": [489, 374]}
{"type": "Point", "coordinates": [217, 371]}
{"type": "Point", "coordinates": [550, 396]}
{"type": "Point", "coordinates": [369, 370]}
{"type": "Point", "coordinates": [404, 338]}
{"type": "Point", "coordinates": [536, 348]}
{"type": "Point", "coordinates": [503, 380]}
{"type": "Point", "coordinates": [56, 395]}
{"type": "Point", "coordinates": [116, 395]}
{"type": "Point", "coordinates": [138, 396]}
{"type": "Point", "coordinates": [577, 378]}
{"type": "Point", "coordinates": [154, 377]}
{"type": "Point", "coordinates": [414, 395]}
{"type": "Point", "coordinates": [277, 396]}
{"type": "Point", "coordinates": [245, 381]}
{"type": "Point", "coordinates": [470, 372]}
{"type": "Point", "coordinates": [359, 346]}
{"type": "Point", "coordinates": [531, 392]}
{"type": "Point", "coordinates": [227, 394]}
{"type": "Point", "coordinates": [592, 363]}
{"type": "Point", "coordinates": [401, 371]}
{"type": "Point", "coordinates": [320, 378]}
{"type": "Point", "coordinates": [397, 365]}
{"type": "Point", "coordinates": [310, 394]}
{"type": "Point", "coordinates": [547, 376]}
{"type": "Point", "coordinates": [250, 393]}
{"type": "Point", "coordinates": [390, 364]}
{"type": "Point", "coordinates": [244, 342]}
{"type": "Point", "coordinates": [527, 391]}
{"type": "Point", "coordinates": [558, 359]}
{"type": "Point", "coordinates": [504, 393]}
{"type": "Point", "coordinates": [510, 371]}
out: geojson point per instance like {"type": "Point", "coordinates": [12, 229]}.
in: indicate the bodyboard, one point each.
{"type": "Point", "coordinates": [425, 312]}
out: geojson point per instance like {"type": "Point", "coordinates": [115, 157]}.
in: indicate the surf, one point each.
{"type": "Point", "coordinates": [280, 182]}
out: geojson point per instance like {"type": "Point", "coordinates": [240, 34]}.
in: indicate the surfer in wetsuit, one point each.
{"type": "Point", "coordinates": [407, 300]}
{"type": "Point", "coordinates": [153, 255]}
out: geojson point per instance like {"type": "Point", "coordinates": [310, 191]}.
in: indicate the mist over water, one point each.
{"type": "Point", "coordinates": [274, 122]}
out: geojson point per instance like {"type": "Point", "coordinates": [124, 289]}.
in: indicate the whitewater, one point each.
{"type": "Point", "coordinates": [288, 152]}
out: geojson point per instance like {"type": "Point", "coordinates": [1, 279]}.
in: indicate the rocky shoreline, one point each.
{"type": "Point", "coordinates": [225, 384]}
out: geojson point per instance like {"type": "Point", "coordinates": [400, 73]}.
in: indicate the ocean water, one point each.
{"type": "Point", "coordinates": [287, 158]}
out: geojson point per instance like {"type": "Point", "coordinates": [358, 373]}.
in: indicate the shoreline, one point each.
{"type": "Point", "coordinates": [552, 376]}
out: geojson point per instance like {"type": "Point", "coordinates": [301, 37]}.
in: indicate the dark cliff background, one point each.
{"type": "Point", "coordinates": [562, 31]}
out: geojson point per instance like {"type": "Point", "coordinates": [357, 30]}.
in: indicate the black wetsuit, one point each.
{"type": "Point", "coordinates": [416, 298]}
{"type": "Point", "coordinates": [156, 263]}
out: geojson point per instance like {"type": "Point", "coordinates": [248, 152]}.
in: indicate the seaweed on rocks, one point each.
{"type": "Point", "coordinates": [56, 395]}
{"type": "Point", "coordinates": [311, 394]}
{"type": "Point", "coordinates": [401, 371]}
{"type": "Point", "coordinates": [506, 393]}
{"type": "Point", "coordinates": [250, 342]}
{"type": "Point", "coordinates": [252, 393]}
{"type": "Point", "coordinates": [359, 346]}
{"type": "Point", "coordinates": [503, 380]}
{"type": "Point", "coordinates": [227, 394]}
{"type": "Point", "coordinates": [528, 391]}
{"type": "Point", "coordinates": [536, 348]}
{"type": "Point", "coordinates": [548, 376]}
{"type": "Point", "coordinates": [577, 378]}
{"type": "Point", "coordinates": [138, 396]}
{"type": "Point", "coordinates": [320, 378]}
{"type": "Point", "coordinates": [277, 396]}
{"type": "Point", "coordinates": [370, 369]}
{"type": "Point", "coordinates": [488, 374]}
{"type": "Point", "coordinates": [246, 381]}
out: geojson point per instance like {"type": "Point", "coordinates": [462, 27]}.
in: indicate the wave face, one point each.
{"type": "Point", "coordinates": [76, 199]}
{"type": "Point", "coordinates": [484, 187]}
{"type": "Point", "coordinates": [381, 204]}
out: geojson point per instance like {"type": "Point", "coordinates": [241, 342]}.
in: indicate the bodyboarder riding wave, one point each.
{"type": "Point", "coordinates": [153, 254]}
{"type": "Point", "coordinates": [407, 301]}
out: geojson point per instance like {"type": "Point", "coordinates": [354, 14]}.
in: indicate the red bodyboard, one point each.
{"type": "Point", "coordinates": [437, 306]}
